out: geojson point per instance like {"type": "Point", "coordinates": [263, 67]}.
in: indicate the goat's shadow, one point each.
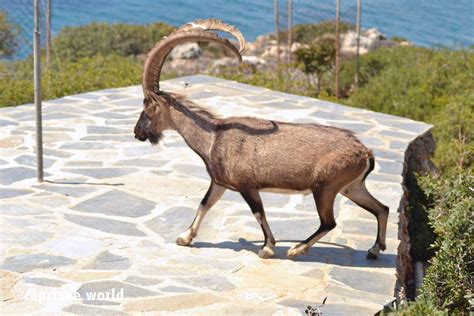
{"type": "Point", "coordinates": [330, 253]}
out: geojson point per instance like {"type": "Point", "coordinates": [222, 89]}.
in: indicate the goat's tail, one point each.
{"type": "Point", "coordinates": [371, 161]}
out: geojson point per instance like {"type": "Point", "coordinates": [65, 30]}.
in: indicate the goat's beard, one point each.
{"type": "Point", "coordinates": [154, 138]}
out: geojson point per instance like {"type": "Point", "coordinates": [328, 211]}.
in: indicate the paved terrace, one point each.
{"type": "Point", "coordinates": [112, 207]}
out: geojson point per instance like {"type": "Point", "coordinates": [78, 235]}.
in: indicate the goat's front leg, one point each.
{"type": "Point", "coordinates": [252, 197]}
{"type": "Point", "coordinates": [214, 193]}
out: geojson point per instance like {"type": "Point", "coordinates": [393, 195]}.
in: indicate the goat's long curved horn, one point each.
{"type": "Point", "coordinates": [214, 25]}
{"type": "Point", "coordinates": [156, 57]}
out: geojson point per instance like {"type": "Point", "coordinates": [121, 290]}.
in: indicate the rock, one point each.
{"type": "Point", "coordinates": [109, 261]}
{"type": "Point", "coordinates": [112, 287]}
{"type": "Point", "coordinates": [270, 52]}
{"type": "Point", "coordinates": [14, 174]}
{"type": "Point", "coordinates": [142, 281]}
{"type": "Point", "coordinates": [186, 51]}
{"type": "Point", "coordinates": [89, 310]}
{"type": "Point", "coordinates": [106, 225]}
{"type": "Point", "coordinates": [253, 60]}
{"type": "Point", "coordinates": [27, 262]}
{"type": "Point", "coordinates": [45, 282]}
{"type": "Point", "coordinates": [172, 222]}
{"type": "Point", "coordinates": [209, 282]}
{"type": "Point", "coordinates": [369, 281]}
{"type": "Point", "coordinates": [118, 203]}
{"type": "Point", "coordinates": [224, 62]}
{"type": "Point", "coordinates": [10, 193]}
{"type": "Point", "coordinates": [74, 246]}
{"type": "Point", "coordinates": [173, 303]}
{"type": "Point", "coordinates": [370, 40]}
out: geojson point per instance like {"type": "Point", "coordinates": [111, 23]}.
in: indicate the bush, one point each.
{"type": "Point", "coordinates": [317, 59]}
{"type": "Point", "coordinates": [74, 43]}
{"type": "Point", "coordinates": [307, 33]}
{"type": "Point", "coordinates": [67, 77]}
{"type": "Point", "coordinates": [8, 36]}
{"type": "Point", "coordinates": [430, 85]}
{"type": "Point", "coordinates": [448, 283]}
{"type": "Point", "coordinates": [420, 307]}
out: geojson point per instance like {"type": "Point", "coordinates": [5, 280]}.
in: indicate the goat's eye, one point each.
{"type": "Point", "coordinates": [149, 112]}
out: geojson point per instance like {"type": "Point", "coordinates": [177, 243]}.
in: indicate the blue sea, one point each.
{"type": "Point", "coordinates": [424, 22]}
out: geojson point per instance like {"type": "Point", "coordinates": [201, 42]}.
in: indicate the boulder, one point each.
{"type": "Point", "coordinates": [186, 51]}
{"type": "Point", "coordinates": [370, 40]}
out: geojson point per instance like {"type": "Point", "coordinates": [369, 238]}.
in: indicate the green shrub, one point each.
{"type": "Point", "coordinates": [318, 58]}
{"type": "Point", "coordinates": [275, 80]}
{"type": "Point", "coordinates": [307, 33]}
{"type": "Point", "coordinates": [67, 77]}
{"type": "Point", "coordinates": [449, 280]}
{"type": "Point", "coordinates": [8, 35]}
{"type": "Point", "coordinates": [74, 43]}
{"type": "Point", "coordinates": [431, 85]}
{"type": "Point", "coordinates": [419, 307]}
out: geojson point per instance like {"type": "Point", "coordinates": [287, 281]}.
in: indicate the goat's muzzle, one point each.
{"type": "Point", "coordinates": [143, 130]}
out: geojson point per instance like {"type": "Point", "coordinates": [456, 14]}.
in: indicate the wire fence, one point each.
{"type": "Point", "coordinates": [21, 14]}
{"type": "Point", "coordinates": [291, 13]}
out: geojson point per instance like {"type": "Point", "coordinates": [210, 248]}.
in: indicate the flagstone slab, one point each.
{"type": "Point", "coordinates": [14, 174]}
{"type": "Point", "coordinates": [10, 193]}
{"type": "Point", "coordinates": [109, 261]}
{"type": "Point", "coordinates": [27, 262]}
{"type": "Point", "coordinates": [101, 173]}
{"type": "Point", "coordinates": [106, 225]}
{"type": "Point", "coordinates": [87, 290]}
{"type": "Point", "coordinates": [117, 203]}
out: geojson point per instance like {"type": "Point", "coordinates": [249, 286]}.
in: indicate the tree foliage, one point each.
{"type": "Point", "coordinates": [317, 58]}
{"type": "Point", "coordinates": [73, 43]}
{"type": "Point", "coordinates": [9, 32]}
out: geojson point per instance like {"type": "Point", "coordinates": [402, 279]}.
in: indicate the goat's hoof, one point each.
{"type": "Point", "coordinates": [266, 252]}
{"type": "Point", "coordinates": [184, 240]}
{"type": "Point", "coordinates": [371, 256]}
{"type": "Point", "coordinates": [373, 253]}
{"type": "Point", "coordinates": [297, 250]}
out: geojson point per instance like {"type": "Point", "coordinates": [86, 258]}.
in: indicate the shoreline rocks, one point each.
{"type": "Point", "coordinates": [262, 53]}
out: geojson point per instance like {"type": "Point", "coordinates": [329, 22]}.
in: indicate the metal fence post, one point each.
{"type": "Point", "coordinates": [338, 48]}
{"type": "Point", "coordinates": [48, 34]}
{"type": "Point", "coordinates": [359, 6]}
{"type": "Point", "coordinates": [37, 82]}
{"type": "Point", "coordinates": [277, 31]}
{"type": "Point", "coordinates": [290, 31]}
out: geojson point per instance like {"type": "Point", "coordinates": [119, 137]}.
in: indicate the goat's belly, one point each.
{"type": "Point", "coordinates": [285, 191]}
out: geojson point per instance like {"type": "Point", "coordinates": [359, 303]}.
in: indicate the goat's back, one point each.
{"type": "Point", "coordinates": [271, 154]}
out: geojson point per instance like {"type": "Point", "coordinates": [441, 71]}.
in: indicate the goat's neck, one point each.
{"type": "Point", "coordinates": [196, 129]}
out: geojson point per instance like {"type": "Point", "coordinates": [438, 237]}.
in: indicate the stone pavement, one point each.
{"type": "Point", "coordinates": [98, 236]}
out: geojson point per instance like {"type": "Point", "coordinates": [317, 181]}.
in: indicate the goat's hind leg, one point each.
{"type": "Point", "coordinates": [358, 193]}
{"type": "Point", "coordinates": [325, 205]}
{"type": "Point", "coordinates": [252, 197]}
{"type": "Point", "coordinates": [214, 193]}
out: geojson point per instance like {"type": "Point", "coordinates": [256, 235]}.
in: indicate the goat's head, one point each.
{"type": "Point", "coordinates": [155, 116]}
{"type": "Point", "coordinates": [153, 120]}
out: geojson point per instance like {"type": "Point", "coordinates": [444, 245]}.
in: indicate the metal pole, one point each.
{"type": "Point", "coordinates": [337, 48]}
{"type": "Point", "coordinates": [277, 31]}
{"type": "Point", "coordinates": [48, 34]}
{"type": "Point", "coordinates": [37, 78]}
{"type": "Point", "coordinates": [359, 6]}
{"type": "Point", "coordinates": [290, 25]}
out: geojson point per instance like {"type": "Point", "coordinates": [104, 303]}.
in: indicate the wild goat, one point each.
{"type": "Point", "coordinates": [249, 155]}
